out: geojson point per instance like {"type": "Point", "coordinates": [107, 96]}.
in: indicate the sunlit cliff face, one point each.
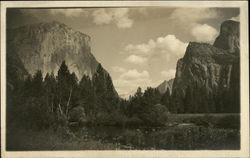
{"type": "Point", "coordinates": [44, 46]}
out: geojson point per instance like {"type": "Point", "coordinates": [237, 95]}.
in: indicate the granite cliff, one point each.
{"type": "Point", "coordinates": [212, 68]}
{"type": "Point", "coordinates": [162, 88]}
{"type": "Point", "coordinates": [44, 46]}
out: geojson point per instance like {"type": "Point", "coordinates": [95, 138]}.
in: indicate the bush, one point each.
{"type": "Point", "coordinates": [228, 122]}
{"type": "Point", "coordinates": [133, 121]}
{"type": "Point", "coordinates": [156, 115]}
{"type": "Point", "coordinates": [35, 114]}
{"type": "Point", "coordinates": [77, 114]}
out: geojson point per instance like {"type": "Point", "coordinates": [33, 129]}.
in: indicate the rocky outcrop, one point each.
{"type": "Point", "coordinates": [204, 65]}
{"type": "Point", "coordinates": [15, 70]}
{"type": "Point", "coordinates": [210, 68]}
{"type": "Point", "coordinates": [229, 36]}
{"type": "Point", "coordinates": [162, 88]}
{"type": "Point", "coordinates": [44, 46]}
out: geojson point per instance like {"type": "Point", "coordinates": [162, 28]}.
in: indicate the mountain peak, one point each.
{"type": "Point", "coordinates": [228, 38]}
{"type": "Point", "coordinates": [162, 88]}
{"type": "Point", "coordinates": [210, 67]}
{"type": "Point", "coordinates": [43, 46]}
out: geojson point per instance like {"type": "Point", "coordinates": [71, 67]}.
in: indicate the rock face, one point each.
{"type": "Point", "coordinates": [229, 36]}
{"type": "Point", "coordinates": [44, 46]}
{"type": "Point", "coordinates": [15, 70]}
{"type": "Point", "coordinates": [211, 68]}
{"type": "Point", "coordinates": [205, 65]}
{"type": "Point", "coordinates": [162, 88]}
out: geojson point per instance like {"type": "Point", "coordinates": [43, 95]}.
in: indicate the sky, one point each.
{"type": "Point", "coordinates": [137, 46]}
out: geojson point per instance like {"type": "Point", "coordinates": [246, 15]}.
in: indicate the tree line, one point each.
{"type": "Point", "coordinates": [39, 102]}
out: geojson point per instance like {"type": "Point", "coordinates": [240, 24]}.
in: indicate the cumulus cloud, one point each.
{"type": "Point", "coordinates": [129, 81]}
{"type": "Point", "coordinates": [204, 33]}
{"type": "Point", "coordinates": [69, 12]}
{"type": "Point", "coordinates": [119, 16]}
{"type": "Point", "coordinates": [141, 49]}
{"type": "Point", "coordinates": [101, 17]}
{"type": "Point", "coordinates": [168, 47]}
{"type": "Point", "coordinates": [171, 45]}
{"type": "Point", "coordinates": [189, 19]}
{"type": "Point", "coordinates": [186, 16]}
{"type": "Point", "coordinates": [236, 18]}
{"type": "Point", "coordinates": [168, 74]}
{"type": "Point", "coordinates": [135, 59]}
{"type": "Point", "coordinates": [134, 74]}
{"type": "Point", "coordinates": [118, 69]}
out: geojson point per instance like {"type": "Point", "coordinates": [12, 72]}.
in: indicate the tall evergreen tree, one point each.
{"type": "Point", "coordinates": [50, 88]}
{"type": "Point", "coordinates": [37, 84]}
{"type": "Point", "coordinates": [64, 88]}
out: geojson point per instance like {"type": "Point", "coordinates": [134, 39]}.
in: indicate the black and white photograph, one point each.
{"type": "Point", "coordinates": [124, 78]}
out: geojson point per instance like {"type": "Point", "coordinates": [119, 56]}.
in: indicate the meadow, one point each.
{"type": "Point", "coordinates": [181, 132]}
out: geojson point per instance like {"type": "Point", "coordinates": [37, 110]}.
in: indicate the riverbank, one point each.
{"type": "Point", "coordinates": [180, 137]}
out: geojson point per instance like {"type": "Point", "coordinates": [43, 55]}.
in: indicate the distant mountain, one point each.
{"type": "Point", "coordinates": [162, 88]}
{"type": "Point", "coordinates": [45, 46]}
{"type": "Point", "coordinates": [211, 69]}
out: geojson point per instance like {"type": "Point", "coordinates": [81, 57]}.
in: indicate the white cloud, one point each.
{"type": "Point", "coordinates": [134, 74]}
{"type": "Point", "coordinates": [168, 46]}
{"type": "Point", "coordinates": [186, 16]}
{"type": "Point", "coordinates": [164, 48]}
{"type": "Point", "coordinates": [118, 69]}
{"type": "Point", "coordinates": [135, 59]}
{"type": "Point", "coordinates": [101, 17]}
{"type": "Point", "coordinates": [130, 80]}
{"type": "Point", "coordinates": [168, 74]}
{"type": "Point", "coordinates": [141, 49]}
{"type": "Point", "coordinates": [236, 18]}
{"type": "Point", "coordinates": [69, 12]}
{"type": "Point", "coordinates": [189, 21]}
{"type": "Point", "coordinates": [204, 33]}
{"type": "Point", "coordinates": [119, 16]}
{"type": "Point", "coordinates": [171, 45]}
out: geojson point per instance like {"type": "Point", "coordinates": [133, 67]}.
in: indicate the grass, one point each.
{"type": "Point", "coordinates": [23, 140]}
{"type": "Point", "coordinates": [225, 121]}
{"type": "Point", "coordinates": [211, 132]}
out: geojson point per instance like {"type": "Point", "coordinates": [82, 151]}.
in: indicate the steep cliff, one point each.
{"type": "Point", "coordinates": [15, 70]}
{"type": "Point", "coordinates": [44, 46]}
{"type": "Point", "coordinates": [229, 36]}
{"type": "Point", "coordinates": [211, 69]}
{"type": "Point", "coordinates": [162, 88]}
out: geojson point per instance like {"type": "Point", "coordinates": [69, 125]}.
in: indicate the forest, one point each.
{"type": "Point", "coordinates": [72, 111]}
{"type": "Point", "coordinates": [60, 99]}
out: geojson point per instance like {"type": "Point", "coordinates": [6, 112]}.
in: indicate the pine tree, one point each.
{"type": "Point", "coordinates": [64, 88]}
{"type": "Point", "coordinates": [50, 88]}
{"type": "Point", "coordinates": [37, 84]}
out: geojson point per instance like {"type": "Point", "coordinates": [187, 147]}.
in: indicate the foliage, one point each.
{"type": "Point", "coordinates": [59, 96]}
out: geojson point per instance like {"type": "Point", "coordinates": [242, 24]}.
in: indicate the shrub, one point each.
{"type": "Point", "coordinates": [155, 115]}
{"type": "Point", "coordinates": [229, 121]}
{"type": "Point", "coordinates": [133, 121]}
{"type": "Point", "coordinates": [77, 114]}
